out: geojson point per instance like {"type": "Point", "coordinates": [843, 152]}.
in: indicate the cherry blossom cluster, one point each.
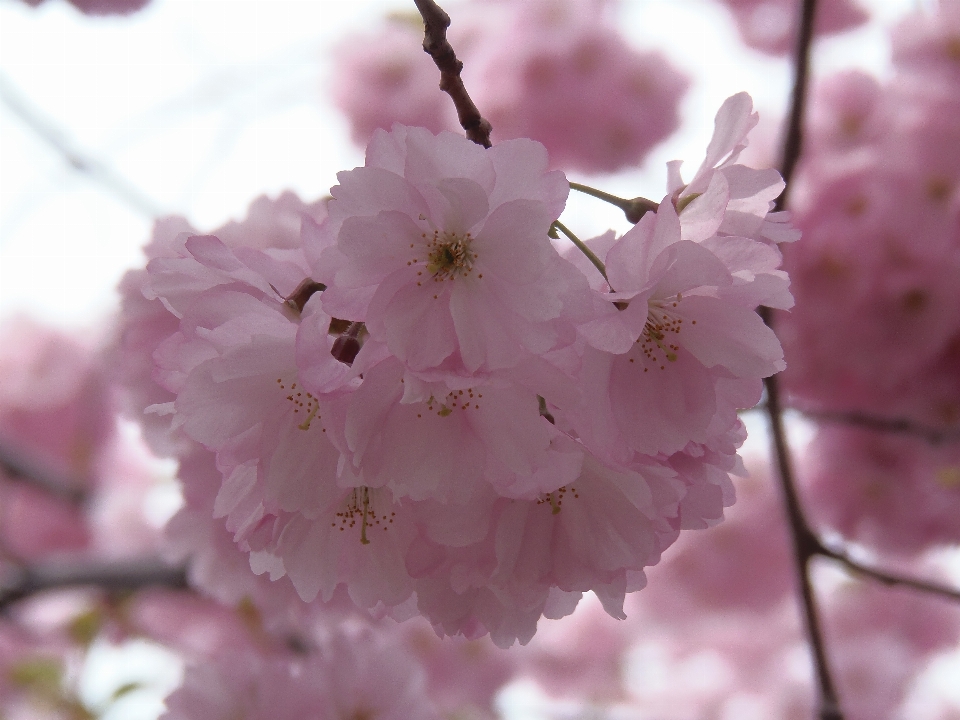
{"type": "Point", "coordinates": [418, 400]}
{"type": "Point", "coordinates": [875, 332]}
{"type": "Point", "coordinates": [540, 69]}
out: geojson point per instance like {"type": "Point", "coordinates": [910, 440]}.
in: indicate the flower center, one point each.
{"type": "Point", "coordinates": [449, 255]}
{"type": "Point", "coordinates": [359, 507]}
{"type": "Point", "coordinates": [555, 498]}
{"type": "Point", "coordinates": [305, 405]}
{"type": "Point", "coordinates": [656, 342]}
{"type": "Point", "coordinates": [454, 400]}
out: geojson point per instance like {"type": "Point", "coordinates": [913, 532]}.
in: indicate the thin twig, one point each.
{"type": "Point", "coordinates": [793, 139]}
{"type": "Point", "coordinates": [897, 426]}
{"type": "Point", "coordinates": [582, 246]}
{"type": "Point", "coordinates": [805, 544]}
{"type": "Point", "coordinates": [19, 466]}
{"type": "Point", "coordinates": [888, 578]}
{"type": "Point", "coordinates": [633, 209]}
{"type": "Point", "coordinates": [435, 44]}
{"type": "Point", "coordinates": [76, 159]}
{"type": "Point", "coordinates": [121, 576]}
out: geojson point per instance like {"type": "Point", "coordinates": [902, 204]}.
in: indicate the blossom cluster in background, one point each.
{"type": "Point", "coordinates": [557, 72]}
{"type": "Point", "coordinates": [436, 458]}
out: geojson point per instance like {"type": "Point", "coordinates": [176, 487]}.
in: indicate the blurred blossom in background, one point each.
{"type": "Point", "coordinates": [197, 107]}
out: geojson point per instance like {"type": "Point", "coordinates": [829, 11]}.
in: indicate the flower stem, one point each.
{"type": "Point", "coordinates": [591, 256]}
{"type": "Point", "coordinates": [633, 209]}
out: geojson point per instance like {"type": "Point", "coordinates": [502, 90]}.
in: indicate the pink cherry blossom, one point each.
{"type": "Point", "coordinates": [687, 327]}
{"type": "Point", "coordinates": [442, 250]}
{"type": "Point", "coordinates": [725, 197]}
{"type": "Point", "coordinates": [271, 226]}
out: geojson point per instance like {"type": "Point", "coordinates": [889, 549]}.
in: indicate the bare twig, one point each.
{"type": "Point", "coordinates": [897, 426]}
{"type": "Point", "coordinates": [76, 159]}
{"type": "Point", "coordinates": [805, 544]}
{"type": "Point", "coordinates": [20, 466]}
{"type": "Point", "coordinates": [793, 139]}
{"type": "Point", "coordinates": [582, 246]}
{"type": "Point", "coordinates": [888, 578]}
{"type": "Point", "coordinates": [121, 576]}
{"type": "Point", "coordinates": [435, 44]}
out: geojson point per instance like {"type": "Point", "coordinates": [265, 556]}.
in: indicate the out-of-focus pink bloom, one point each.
{"type": "Point", "coordinates": [847, 113]}
{"type": "Point", "coordinates": [875, 328]}
{"type": "Point", "coordinates": [387, 78]}
{"type": "Point", "coordinates": [54, 417]}
{"type": "Point", "coordinates": [875, 287]}
{"type": "Point", "coordinates": [54, 407]}
{"type": "Point", "coordinates": [34, 524]}
{"type": "Point", "coordinates": [894, 493]}
{"type": "Point", "coordinates": [354, 673]}
{"type": "Point", "coordinates": [927, 44]}
{"type": "Point", "coordinates": [555, 71]}
{"type": "Point", "coordinates": [882, 637]}
{"type": "Point", "coordinates": [462, 676]}
{"type": "Point", "coordinates": [559, 73]}
{"type": "Point", "coordinates": [742, 564]}
{"type": "Point", "coordinates": [583, 656]}
{"type": "Point", "coordinates": [771, 25]}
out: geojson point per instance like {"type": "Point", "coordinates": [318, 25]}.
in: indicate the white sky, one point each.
{"type": "Point", "coordinates": [201, 105]}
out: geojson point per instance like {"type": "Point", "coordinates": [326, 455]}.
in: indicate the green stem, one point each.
{"type": "Point", "coordinates": [591, 256]}
{"type": "Point", "coordinates": [633, 209]}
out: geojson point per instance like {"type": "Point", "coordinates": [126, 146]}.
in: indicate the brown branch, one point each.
{"type": "Point", "coordinates": [793, 139]}
{"type": "Point", "coordinates": [898, 426]}
{"type": "Point", "coordinates": [119, 576]}
{"type": "Point", "coordinates": [435, 44]}
{"type": "Point", "coordinates": [806, 545]}
{"type": "Point", "coordinates": [888, 578]}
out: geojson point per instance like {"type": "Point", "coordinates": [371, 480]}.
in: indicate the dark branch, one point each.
{"type": "Point", "coordinates": [120, 576]}
{"type": "Point", "coordinates": [887, 578]}
{"type": "Point", "coordinates": [793, 139]}
{"type": "Point", "coordinates": [805, 544]}
{"type": "Point", "coordinates": [20, 466]}
{"type": "Point", "coordinates": [435, 43]}
{"type": "Point", "coordinates": [899, 426]}
{"type": "Point", "coordinates": [94, 169]}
